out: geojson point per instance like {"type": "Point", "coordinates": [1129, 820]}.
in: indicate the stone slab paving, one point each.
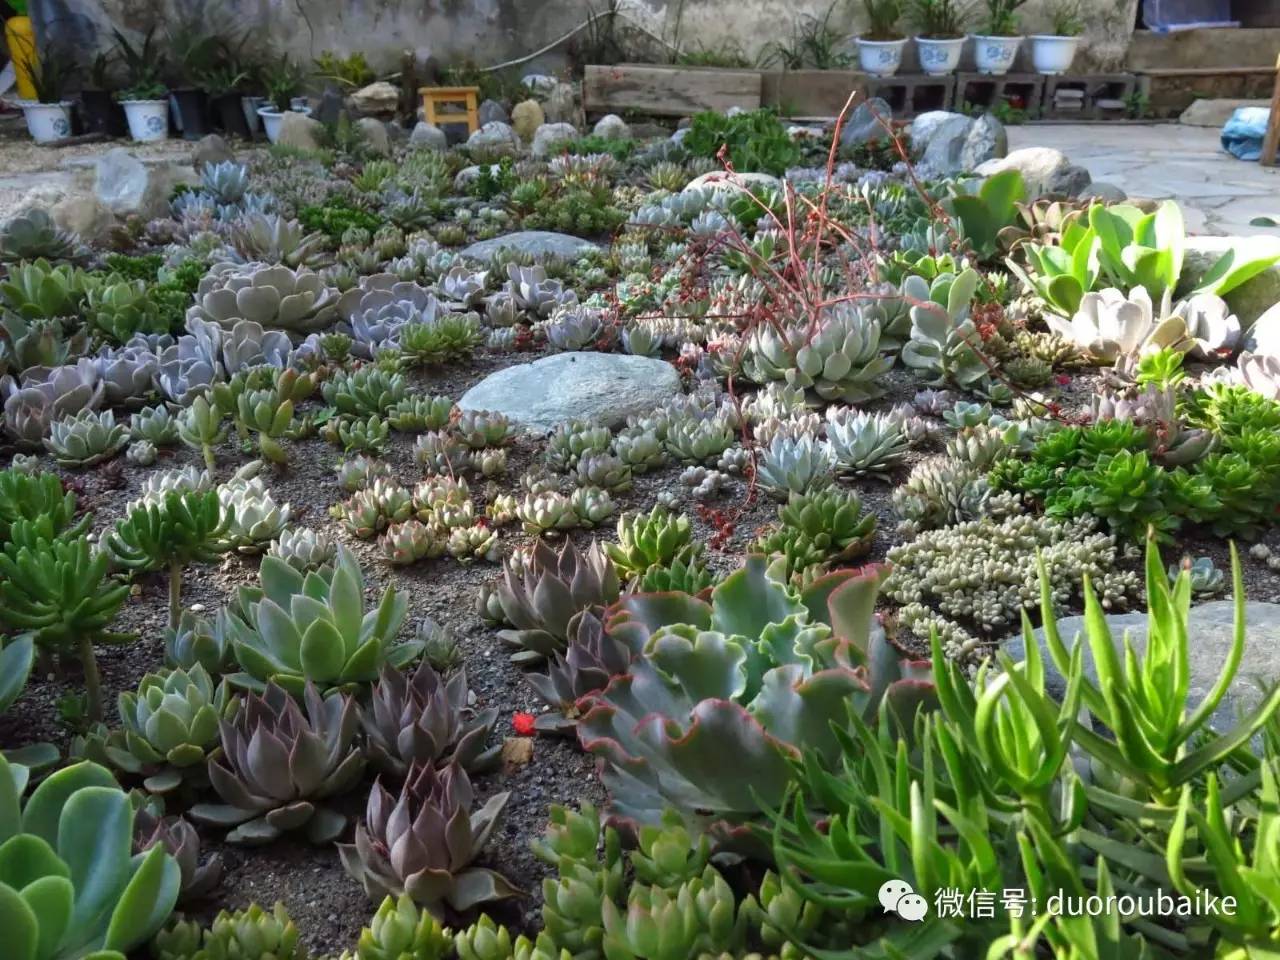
{"type": "Point", "coordinates": [1217, 192]}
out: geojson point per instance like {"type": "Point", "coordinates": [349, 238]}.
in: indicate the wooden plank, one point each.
{"type": "Point", "coordinates": [811, 93]}
{"type": "Point", "coordinates": [1272, 141]}
{"type": "Point", "coordinates": [668, 91]}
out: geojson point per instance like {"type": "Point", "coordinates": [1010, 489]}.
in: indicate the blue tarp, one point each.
{"type": "Point", "coordinates": [1242, 134]}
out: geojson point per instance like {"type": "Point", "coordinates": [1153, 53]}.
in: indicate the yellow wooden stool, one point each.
{"type": "Point", "coordinates": [435, 97]}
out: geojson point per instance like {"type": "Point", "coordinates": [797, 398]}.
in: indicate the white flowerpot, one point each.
{"type": "Point", "coordinates": [880, 58]}
{"type": "Point", "coordinates": [250, 107]}
{"type": "Point", "coordinates": [1053, 55]}
{"type": "Point", "coordinates": [272, 118]}
{"type": "Point", "coordinates": [994, 55]}
{"type": "Point", "coordinates": [47, 122]}
{"type": "Point", "coordinates": [939, 56]}
{"type": "Point", "coordinates": [148, 119]}
{"type": "Point", "coordinates": [299, 104]}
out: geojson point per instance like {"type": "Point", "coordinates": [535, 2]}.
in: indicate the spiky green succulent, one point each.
{"type": "Point", "coordinates": [655, 539]}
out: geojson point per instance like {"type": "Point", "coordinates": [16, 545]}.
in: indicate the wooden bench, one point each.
{"type": "Point", "coordinates": [1272, 140]}
{"type": "Point", "coordinates": [433, 98]}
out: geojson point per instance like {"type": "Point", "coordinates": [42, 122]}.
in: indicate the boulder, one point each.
{"type": "Point", "coordinates": [210, 150]}
{"type": "Point", "coordinates": [331, 106]}
{"type": "Point", "coordinates": [127, 186]}
{"type": "Point", "coordinates": [540, 243]}
{"type": "Point", "coordinates": [495, 139]}
{"type": "Point", "coordinates": [379, 97]}
{"type": "Point", "coordinates": [375, 135]}
{"type": "Point", "coordinates": [612, 127]}
{"type": "Point", "coordinates": [300, 131]}
{"type": "Point", "coordinates": [491, 111]}
{"type": "Point", "coordinates": [607, 387]}
{"type": "Point", "coordinates": [1044, 170]}
{"type": "Point", "coordinates": [550, 136]}
{"type": "Point", "coordinates": [863, 124]}
{"type": "Point", "coordinates": [723, 180]}
{"type": "Point", "coordinates": [1209, 628]}
{"type": "Point", "coordinates": [526, 118]}
{"type": "Point", "coordinates": [83, 214]}
{"type": "Point", "coordinates": [1252, 298]}
{"type": "Point", "coordinates": [1106, 192]}
{"type": "Point", "coordinates": [947, 143]}
{"type": "Point", "coordinates": [561, 104]}
{"type": "Point", "coordinates": [428, 136]}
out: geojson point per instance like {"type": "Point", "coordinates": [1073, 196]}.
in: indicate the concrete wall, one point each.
{"type": "Point", "coordinates": [492, 31]}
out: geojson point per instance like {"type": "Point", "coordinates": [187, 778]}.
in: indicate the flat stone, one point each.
{"type": "Point", "coordinates": [1045, 171]}
{"type": "Point", "coordinates": [1210, 112]}
{"type": "Point", "coordinates": [605, 387]}
{"type": "Point", "coordinates": [537, 242]}
{"type": "Point", "coordinates": [1209, 628]}
{"type": "Point", "coordinates": [1252, 298]}
{"type": "Point", "coordinates": [379, 97]}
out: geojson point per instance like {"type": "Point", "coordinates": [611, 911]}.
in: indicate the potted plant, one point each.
{"type": "Point", "coordinates": [223, 86]}
{"type": "Point", "coordinates": [941, 34]}
{"type": "Point", "coordinates": [282, 81]}
{"type": "Point", "coordinates": [995, 50]}
{"type": "Point", "coordinates": [1052, 53]}
{"type": "Point", "coordinates": [193, 52]}
{"type": "Point", "coordinates": [146, 98]}
{"type": "Point", "coordinates": [48, 115]}
{"type": "Point", "coordinates": [20, 38]}
{"type": "Point", "coordinates": [98, 108]}
{"type": "Point", "coordinates": [880, 48]}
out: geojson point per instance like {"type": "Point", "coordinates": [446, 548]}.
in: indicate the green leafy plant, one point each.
{"type": "Point", "coordinates": [882, 19]}
{"type": "Point", "coordinates": [938, 19]}
{"type": "Point", "coordinates": [144, 67]}
{"type": "Point", "coordinates": [1002, 18]}
{"type": "Point", "coordinates": [753, 141]}
{"type": "Point", "coordinates": [985, 212]}
{"type": "Point", "coordinates": [1068, 18]}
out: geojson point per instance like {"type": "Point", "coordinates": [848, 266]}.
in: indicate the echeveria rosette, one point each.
{"type": "Point", "coordinates": [298, 628]}
{"type": "Point", "coordinates": [423, 841]}
{"type": "Point", "coordinates": [279, 764]}
{"type": "Point", "coordinates": [70, 885]}
{"type": "Point", "coordinates": [727, 693]}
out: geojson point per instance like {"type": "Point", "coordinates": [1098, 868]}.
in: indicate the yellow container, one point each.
{"type": "Point", "coordinates": [20, 38]}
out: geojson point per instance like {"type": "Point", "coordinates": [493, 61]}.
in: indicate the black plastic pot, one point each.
{"type": "Point", "coordinates": [228, 115]}
{"type": "Point", "coordinates": [100, 113]}
{"type": "Point", "coordinates": [193, 110]}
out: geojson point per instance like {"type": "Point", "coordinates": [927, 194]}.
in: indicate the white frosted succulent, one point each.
{"type": "Point", "coordinates": [255, 517]}
{"type": "Point", "coordinates": [303, 548]}
{"type": "Point", "coordinates": [1214, 330]}
{"type": "Point", "coordinates": [1109, 325]}
{"type": "Point", "coordinates": [865, 442]}
{"type": "Point", "coordinates": [795, 464]}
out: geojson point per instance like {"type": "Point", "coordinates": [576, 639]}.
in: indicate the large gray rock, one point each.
{"type": "Point", "coordinates": [495, 139]}
{"type": "Point", "coordinates": [1252, 298]}
{"type": "Point", "coordinates": [127, 186]}
{"type": "Point", "coordinates": [1044, 170]}
{"type": "Point", "coordinates": [864, 123]}
{"type": "Point", "coordinates": [550, 137]}
{"type": "Point", "coordinates": [1209, 628]}
{"type": "Point", "coordinates": [612, 127]}
{"type": "Point", "coordinates": [1209, 112]}
{"type": "Point", "coordinates": [540, 243]}
{"type": "Point", "coordinates": [540, 84]}
{"type": "Point", "coordinates": [302, 132]}
{"type": "Point", "coordinates": [986, 140]}
{"type": "Point", "coordinates": [608, 387]}
{"type": "Point", "coordinates": [210, 150]}
{"type": "Point", "coordinates": [428, 136]}
{"type": "Point", "coordinates": [83, 214]}
{"type": "Point", "coordinates": [950, 143]}
{"type": "Point", "coordinates": [491, 111]}
{"type": "Point", "coordinates": [375, 135]}
{"type": "Point", "coordinates": [379, 97]}
{"type": "Point", "coordinates": [561, 104]}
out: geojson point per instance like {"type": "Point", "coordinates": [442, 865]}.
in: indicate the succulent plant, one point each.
{"type": "Point", "coordinates": [863, 443]}
{"type": "Point", "coordinates": [156, 425]}
{"type": "Point", "coordinates": [423, 841]}
{"type": "Point", "coordinates": [945, 343]}
{"type": "Point", "coordinates": [645, 541]}
{"type": "Point", "coordinates": [482, 428]}
{"type": "Point", "coordinates": [121, 308]}
{"type": "Point", "coordinates": [86, 438]}
{"type": "Point", "coordinates": [254, 519]}
{"type": "Point", "coordinates": [294, 629]}
{"type": "Point", "coordinates": [38, 496]}
{"type": "Point", "coordinates": [449, 336]}
{"type": "Point", "coordinates": [303, 548]}
{"type": "Point", "coordinates": [360, 472]}
{"type": "Point", "coordinates": [714, 686]}
{"type": "Point", "coordinates": [74, 887]}
{"type": "Point", "coordinates": [355, 435]}
{"type": "Point", "coordinates": [39, 290]}
{"type": "Point", "coordinates": [589, 659]}
{"type": "Point", "coordinates": [546, 513]}
{"type": "Point", "coordinates": [46, 395]}
{"type": "Point", "coordinates": [416, 414]}
{"type": "Point", "coordinates": [570, 441]}
{"type": "Point", "coordinates": [400, 930]}
{"type": "Point", "coordinates": [540, 594]}
{"type": "Point", "coordinates": [604, 470]}
{"type": "Point", "coordinates": [274, 296]}
{"type": "Point", "coordinates": [639, 449]}
{"type": "Point", "coordinates": [179, 839]}
{"type": "Point", "coordinates": [365, 392]}
{"type": "Point", "coordinates": [169, 727]}
{"type": "Point", "coordinates": [1213, 329]}
{"type": "Point", "coordinates": [424, 719]}
{"type": "Point", "coordinates": [1109, 325]}
{"type": "Point", "coordinates": [226, 181]}
{"type": "Point", "coordinates": [828, 525]}
{"type": "Point", "coordinates": [41, 342]}
{"type": "Point", "coordinates": [34, 236]}
{"type": "Point", "coordinates": [1206, 578]}
{"type": "Point", "coordinates": [249, 934]}
{"type": "Point", "coordinates": [197, 642]}
{"type": "Point", "coordinates": [576, 328]}
{"type": "Point", "coordinates": [274, 239]}
{"type": "Point", "coordinates": [698, 440]}
{"type": "Point", "coordinates": [838, 356]}
{"type": "Point", "coordinates": [478, 541]}
{"type": "Point", "coordinates": [278, 764]}
{"type": "Point", "coordinates": [794, 464]}
{"type": "Point", "coordinates": [462, 288]}
{"type": "Point", "coordinates": [940, 492]}
{"type": "Point", "coordinates": [531, 291]}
